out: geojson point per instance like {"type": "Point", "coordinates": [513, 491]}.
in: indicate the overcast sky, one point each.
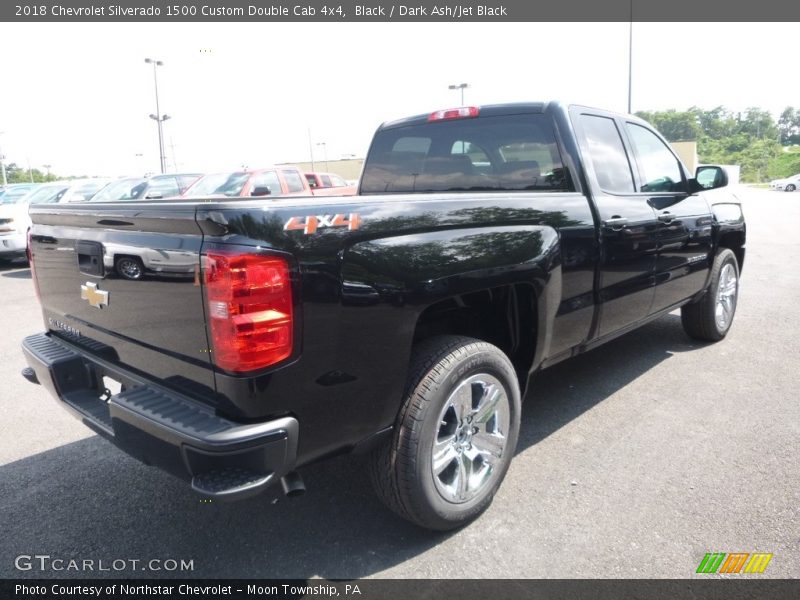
{"type": "Point", "coordinates": [78, 96]}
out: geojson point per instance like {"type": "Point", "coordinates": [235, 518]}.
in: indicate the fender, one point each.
{"type": "Point", "coordinates": [413, 272]}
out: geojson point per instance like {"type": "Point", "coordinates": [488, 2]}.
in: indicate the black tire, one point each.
{"type": "Point", "coordinates": [700, 318]}
{"type": "Point", "coordinates": [129, 267]}
{"type": "Point", "coordinates": [402, 469]}
{"type": "Point", "coordinates": [790, 188]}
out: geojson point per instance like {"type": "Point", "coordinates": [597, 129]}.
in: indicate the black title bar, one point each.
{"type": "Point", "coordinates": [333, 11]}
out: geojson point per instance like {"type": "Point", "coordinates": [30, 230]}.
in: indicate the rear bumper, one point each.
{"type": "Point", "coordinates": [222, 459]}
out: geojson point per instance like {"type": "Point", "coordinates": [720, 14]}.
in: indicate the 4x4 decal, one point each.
{"type": "Point", "coordinates": [311, 223]}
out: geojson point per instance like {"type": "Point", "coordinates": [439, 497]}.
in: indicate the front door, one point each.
{"type": "Point", "coordinates": [684, 234]}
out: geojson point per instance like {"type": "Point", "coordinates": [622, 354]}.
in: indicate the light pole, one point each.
{"type": "Point", "coordinates": [630, 60]}
{"type": "Point", "coordinates": [158, 117]}
{"type": "Point", "coordinates": [48, 170]}
{"type": "Point", "coordinates": [459, 86]}
{"type": "Point", "coordinates": [160, 120]}
{"type": "Point", "coordinates": [325, 152]}
{"type": "Point", "coordinates": [3, 164]}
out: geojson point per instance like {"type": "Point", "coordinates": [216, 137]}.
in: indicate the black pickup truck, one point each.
{"type": "Point", "coordinates": [486, 243]}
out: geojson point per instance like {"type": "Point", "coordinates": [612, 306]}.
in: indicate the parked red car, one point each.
{"type": "Point", "coordinates": [269, 181]}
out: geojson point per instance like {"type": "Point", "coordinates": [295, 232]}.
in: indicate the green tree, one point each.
{"type": "Point", "coordinates": [673, 125]}
{"type": "Point", "coordinates": [16, 174]}
{"type": "Point", "coordinates": [789, 126]}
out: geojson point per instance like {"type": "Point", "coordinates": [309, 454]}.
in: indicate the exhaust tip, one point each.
{"type": "Point", "coordinates": [293, 484]}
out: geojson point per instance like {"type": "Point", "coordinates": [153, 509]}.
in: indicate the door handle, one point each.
{"type": "Point", "coordinates": [616, 223]}
{"type": "Point", "coordinates": [666, 217]}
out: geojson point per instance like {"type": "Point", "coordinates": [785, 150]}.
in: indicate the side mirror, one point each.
{"type": "Point", "coordinates": [260, 190]}
{"type": "Point", "coordinates": [710, 177]}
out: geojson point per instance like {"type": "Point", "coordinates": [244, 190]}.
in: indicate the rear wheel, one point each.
{"type": "Point", "coordinates": [454, 436]}
{"type": "Point", "coordinates": [710, 318]}
{"type": "Point", "coordinates": [129, 267]}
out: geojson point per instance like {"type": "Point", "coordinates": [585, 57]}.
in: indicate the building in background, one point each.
{"type": "Point", "coordinates": [348, 168]}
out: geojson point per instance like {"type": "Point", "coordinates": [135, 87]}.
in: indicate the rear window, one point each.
{"type": "Point", "coordinates": [501, 153]}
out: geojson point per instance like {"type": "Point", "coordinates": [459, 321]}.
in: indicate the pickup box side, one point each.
{"type": "Point", "coordinates": [368, 296]}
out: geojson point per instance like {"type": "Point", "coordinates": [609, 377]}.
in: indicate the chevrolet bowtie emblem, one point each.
{"type": "Point", "coordinates": [96, 298]}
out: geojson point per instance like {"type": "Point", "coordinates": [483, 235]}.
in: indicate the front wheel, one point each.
{"type": "Point", "coordinates": [454, 436]}
{"type": "Point", "coordinates": [710, 318]}
{"type": "Point", "coordinates": [790, 188]}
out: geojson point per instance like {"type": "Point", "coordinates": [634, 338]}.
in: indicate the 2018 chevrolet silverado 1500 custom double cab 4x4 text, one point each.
{"type": "Point", "coordinates": [486, 243]}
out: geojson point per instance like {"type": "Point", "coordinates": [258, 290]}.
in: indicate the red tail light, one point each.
{"type": "Point", "coordinates": [29, 254]}
{"type": "Point", "coordinates": [249, 310]}
{"type": "Point", "coordinates": [465, 112]}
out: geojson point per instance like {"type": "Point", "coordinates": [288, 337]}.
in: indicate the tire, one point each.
{"type": "Point", "coordinates": [790, 188]}
{"type": "Point", "coordinates": [129, 267]}
{"type": "Point", "coordinates": [710, 318]}
{"type": "Point", "coordinates": [462, 395]}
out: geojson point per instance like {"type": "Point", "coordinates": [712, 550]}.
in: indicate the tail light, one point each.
{"type": "Point", "coordinates": [29, 254]}
{"type": "Point", "coordinates": [465, 112]}
{"type": "Point", "coordinates": [249, 310]}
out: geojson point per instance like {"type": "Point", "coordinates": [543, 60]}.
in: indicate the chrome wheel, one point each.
{"type": "Point", "coordinates": [471, 439]}
{"type": "Point", "coordinates": [129, 268]}
{"type": "Point", "coordinates": [726, 297]}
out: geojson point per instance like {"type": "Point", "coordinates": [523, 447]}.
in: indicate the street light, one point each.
{"type": "Point", "coordinates": [48, 170]}
{"type": "Point", "coordinates": [460, 86]}
{"type": "Point", "coordinates": [325, 153]}
{"type": "Point", "coordinates": [158, 117]}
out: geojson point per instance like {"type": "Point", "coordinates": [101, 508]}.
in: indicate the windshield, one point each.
{"type": "Point", "coordinates": [124, 189]}
{"type": "Point", "coordinates": [509, 152]}
{"type": "Point", "coordinates": [227, 184]}
{"type": "Point", "coordinates": [90, 188]}
{"type": "Point", "coordinates": [46, 193]}
{"type": "Point", "coordinates": [15, 194]}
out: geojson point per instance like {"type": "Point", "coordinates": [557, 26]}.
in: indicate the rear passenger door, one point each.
{"type": "Point", "coordinates": [628, 224]}
{"type": "Point", "coordinates": [684, 234]}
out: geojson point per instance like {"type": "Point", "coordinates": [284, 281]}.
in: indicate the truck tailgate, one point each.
{"type": "Point", "coordinates": [85, 264]}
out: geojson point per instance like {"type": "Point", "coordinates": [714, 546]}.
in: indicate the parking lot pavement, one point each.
{"type": "Point", "coordinates": [634, 461]}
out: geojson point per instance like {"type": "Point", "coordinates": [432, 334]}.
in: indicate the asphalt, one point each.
{"type": "Point", "coordinates": [634, 461]}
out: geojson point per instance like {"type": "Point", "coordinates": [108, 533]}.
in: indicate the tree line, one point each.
{"type": "Point", "coordinates": [17, 174]}
{"type": "Point", "coordinates": [764, 148]}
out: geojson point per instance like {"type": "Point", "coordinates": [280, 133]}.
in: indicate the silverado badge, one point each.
{"type": "Point", "coordinates": [96, 298]}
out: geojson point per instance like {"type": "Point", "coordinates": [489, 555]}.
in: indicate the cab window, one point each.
{"type": "Point", "coordinates": [607, 153]}
{"type": "Point", "coordinates": [658, 167]}
{"type": "Point", "coordinates": [294, 182]}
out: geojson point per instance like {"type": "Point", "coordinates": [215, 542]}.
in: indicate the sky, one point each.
{"type": "Point", "coordinates": [76, 96]}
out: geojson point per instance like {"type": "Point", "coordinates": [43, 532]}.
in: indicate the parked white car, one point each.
{"type": "Point", "coordinates": [790, 184]}
{"type": "Point", "coordinates": [14, 219]}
